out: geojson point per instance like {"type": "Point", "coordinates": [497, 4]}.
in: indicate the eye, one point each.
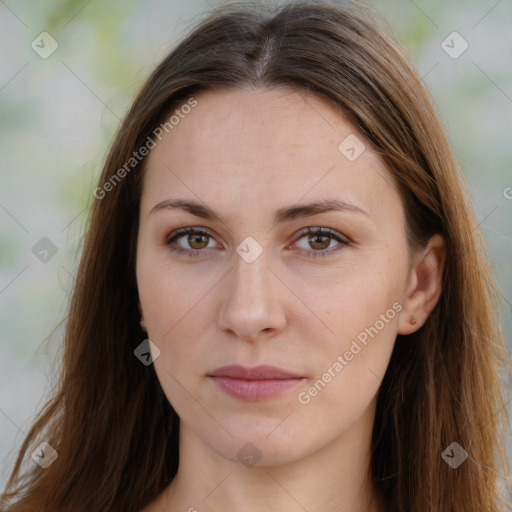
{"type": "Point", "coordinates": [198, 239]}
{"type": "Point", "coordinates": [320, 239]}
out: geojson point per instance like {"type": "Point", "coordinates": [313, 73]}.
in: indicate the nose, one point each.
{"type": "Point", "coordinates": [253, 303]}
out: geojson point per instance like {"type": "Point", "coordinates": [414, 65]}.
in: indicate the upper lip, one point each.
{"type": "Point", "coordinates": [261, 372]}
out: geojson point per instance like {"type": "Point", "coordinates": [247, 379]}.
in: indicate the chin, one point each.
{"type": "Point", "coordinates": [262, 446]}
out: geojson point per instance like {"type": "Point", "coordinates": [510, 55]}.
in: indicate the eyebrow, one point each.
{"type": "Point", "coordinates": [281, 215]}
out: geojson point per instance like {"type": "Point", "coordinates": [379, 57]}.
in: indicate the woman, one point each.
{"type": "Point", "coordinates": [282, 301]}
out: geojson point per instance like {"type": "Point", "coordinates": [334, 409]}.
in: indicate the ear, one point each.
{"type": "Point", "coordinates": [424, 286]}
{"type": "Point", "coordinates": [142, 321]}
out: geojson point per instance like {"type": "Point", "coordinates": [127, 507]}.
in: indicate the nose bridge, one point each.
{"type": "Point", "coordinates": [251, 304]}
{"type": "Point", "coordinates": [251, 282]}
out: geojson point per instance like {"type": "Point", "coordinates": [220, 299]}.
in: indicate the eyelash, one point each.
{"type": "Point", "coordinates": [344, 241]}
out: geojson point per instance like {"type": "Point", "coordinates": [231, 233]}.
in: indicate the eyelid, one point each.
{"type": "Point", "coordinates": [189, 229]}
{"type": "Point", "coordinates": [319, 230]}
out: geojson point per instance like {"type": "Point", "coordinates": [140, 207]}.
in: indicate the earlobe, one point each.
{"type": "Point", "coordinates": [426, 281]}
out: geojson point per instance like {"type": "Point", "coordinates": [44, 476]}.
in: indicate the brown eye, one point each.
{"type": "Point", "coordinates": [319, 242]}
{"type": "Point", "coordinates": [190, 241]}
{"type": "Point", "coordinates": [197, 241]}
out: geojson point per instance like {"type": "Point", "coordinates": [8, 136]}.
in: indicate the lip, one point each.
{"type": "Point", "coordinates": [261, 372]}
{"type": "Point", "coordinates": [254, 383]}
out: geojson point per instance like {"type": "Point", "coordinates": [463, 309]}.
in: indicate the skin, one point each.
{"type": "Point", "coordinates": [246, 153]}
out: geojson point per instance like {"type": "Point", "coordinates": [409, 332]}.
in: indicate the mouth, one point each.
{"type": "Point", "coordinates": [254, 383]}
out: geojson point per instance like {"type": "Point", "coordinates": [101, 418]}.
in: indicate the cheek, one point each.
{"type": "Point", "coordinates": [361, 297]}
{"type": "Point", "coordinates": [362, 313]}
{"type": "Point", "coordinates": [170, 295]}
{"type": "Point", "coordinates": [351, 365]}
{"type": "Point", "coordinates": [174, 314]}
{"type": "Point", "coordinates": [177, 321]}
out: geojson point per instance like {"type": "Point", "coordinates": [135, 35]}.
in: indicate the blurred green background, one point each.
{"type": "Point", "coordinates": [59, 113]}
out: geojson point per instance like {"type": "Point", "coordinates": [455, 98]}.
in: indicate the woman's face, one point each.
{"type": "Point", "coordinates": [248, 286]}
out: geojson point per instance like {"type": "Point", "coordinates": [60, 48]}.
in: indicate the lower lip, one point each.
{"type": "Point", "coordinates": [255, 389]}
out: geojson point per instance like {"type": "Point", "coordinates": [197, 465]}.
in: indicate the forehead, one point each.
{"type": "Point", "coordinates": [259, 146]}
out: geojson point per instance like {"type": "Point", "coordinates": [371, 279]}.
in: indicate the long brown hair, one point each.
{"type": "Point", "coordinates": [116, 434]}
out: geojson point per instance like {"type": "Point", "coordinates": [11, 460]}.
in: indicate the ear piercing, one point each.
{"type": "Point", "coordinates": [412, 320]}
